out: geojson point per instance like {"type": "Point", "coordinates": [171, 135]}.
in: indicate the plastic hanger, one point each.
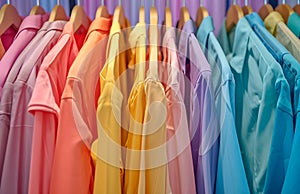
{"type": "Point", "coordinates": [119, 16]}
{"type": "Point", "coordinates": [234, 13]}
{"type": "Point", "coordinates": [265, 10]}
{"type": "Point", "coordinates": [153, 40]}
{"type": "Point", "coordinates": [184, 16]}
{"type": "Point", "coordinates": [37, 9]}
{"type": "Point", "coordinates": [247, 9]}
{"type": "Point", "coordinates": [142, 13]}
{"type": "Point", "coordinates": [297, 7]}
{"type": "Point", "coordinates": [201, 14]}
{"type": "Point", "coordinates": [285, 10]}
{"type": "Point", "coordinates": [9, 16]}
{"type": "Point", "coordinates": [168, 15]}
{"type": "Point", "coordinates": [79, 18]}
{"type": "Point", "coordinates": [102, 11]}
{"type": "Point", "coordinates": [58, 13]}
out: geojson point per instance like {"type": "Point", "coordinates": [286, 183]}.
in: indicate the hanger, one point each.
{"type": "Point", "coordinates": [247, 9]}
{"type": "Point", "coordinates": [37, 9]}
{"type": "Point", "coordinates": [9, 16]}
{"type": "Point", "coordinates": [168, 15]}
{"type": "Point", "coordinates": [201, 14]}
{"type": "Point", "coordinates": [119, 16]}
{"type": "Point", "coordinates": [153, 40]}
{"type": "Point", "coordinates": [234, 13]}
{"type": "Point", "coordinates": [58, 13]}
{"type": "Point", "coordinates": [79, 18]}
{"type": "Point", "coordinates": [265, 10]}
{"type": "Point", "coordinates": [297, 7]}
{"type": "Point", "coordinates": [184, 15]}
{"type": "Point", "coordinates": [142, 13]}
{"type": "Point", "coordinates": [102, 11]}
{"type": "Point", "coordinates": [285, 10]}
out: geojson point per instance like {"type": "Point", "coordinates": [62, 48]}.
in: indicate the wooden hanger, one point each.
{"type": "Point", "coordinates": [58, 13]}
{"type": "Point", "coordinates": [247, 9]}
{"type": "Point", "coordinates": [153, 40]}
{"type": "Point", "coordinates": [142, 14]}
{"type": "Point", "coordinates": [79, 18]}
{"type": "Point", "coordinates": [184, 16]}
{"type": "Point", "coordinates": [201, 14]}
{"type": "Point", "coordinates": [234, 13]}
{"type": "Point", "coordinates": [297, 8]}
{"type": "Point", "coordinates": [265, 10]}
{"type": "Point", "coordinates": [102, 11]}
{"type": "Point", "coordinates": [285, 11]}
{"type": "Point", "coordinates": [37, 10]}
{"type": "Point", "coordinates": [9, 16]}
{"type": "Point", "coordinates": [168, 16]}
{"type": "Point", "coordinates": [119, 16]}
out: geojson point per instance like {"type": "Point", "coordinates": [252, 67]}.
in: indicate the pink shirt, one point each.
{"type": "Point", "coordinates": [28, 29]}
{"type": "Point", "coordinates": [15, 175]}
{"type": "Point", "coordinates": [72, 170]}
{"type": "Point", "coordinates": [45, 108]}
{"type": "Point", "coordinates": [7, 39]}
{"type": "Point", "coordinates": [180, 165]}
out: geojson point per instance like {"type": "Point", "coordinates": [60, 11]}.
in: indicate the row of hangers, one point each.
{"type": "Point", "coordinates": [235, 12]}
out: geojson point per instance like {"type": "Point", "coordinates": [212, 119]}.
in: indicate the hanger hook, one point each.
{"type": "Point", "coordinates": [38, 2]}
{"type": "Point", "coordinates": [78, 2]}
{"type": "Point", "coordinates": [8, 1]}
{"type": "Point", "coordinates": [183, 3]}
{"type": "Point", "coordinates": [265, 2]}
{"type": "Point", "coordinates": [142, 3]}
{"type": "Point", "coordinates": [168, 3]}
{"type": "Point", "coordinates": [283, 1]}
{"type": "Point", "coordinates": [153, 4]}
{"type": "Point", "coordinates": [234, 2]}
{"type": "Point", "coordinates": [201, 3]}
{"type": "Point", "coordinates": [120, 3]}
{"type": "Point", "coordinates": [102, 2]}
{"type": "Point", "coordinates": [58, 2]}
{"type": "Point", "coordinates": [246, 2]}
{"type": "Point", "coordinates": [298, 1]}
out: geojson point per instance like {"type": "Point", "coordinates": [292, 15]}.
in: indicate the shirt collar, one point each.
{"type": "Point", "coordinates": [33, 22]}
{"type": "Point", "coordinates": [185, 34]}
{"type": "Point", "coordinates": [205, 29]}
{"type": "Point", "coordinates": [99, 24]}
{"type": "Point", "coordinates": [241, 39]}
{"type": "Point", "coordinates": [272, 45]}
{"type": "Point", "coordinates": [272, 20]}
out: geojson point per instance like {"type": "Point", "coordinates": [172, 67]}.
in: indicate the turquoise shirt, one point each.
{"type": "Point", "coordinates": [294, 24]}
{"type": "Point", "coordinates": [282, 139]}
{"type": "Point", "coordinates": [226, 39]}
{"type": "Point", "coordinates": [262, 102]}
{"type": "Point", "coordinates": [230, 162]}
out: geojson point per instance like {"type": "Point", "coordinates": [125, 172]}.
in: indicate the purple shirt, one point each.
{"type": "Point", "coordinates": [27, 31]}
{"type": "Point", "coordinates": [204, 124]}
{"type": "Point", "coordinates": [15, 121]}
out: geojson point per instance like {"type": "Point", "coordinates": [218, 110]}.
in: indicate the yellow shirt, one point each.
{"type": "Point", "coordinates": [276, 26]}
{"type": "Point", "coordinates": [107, 149]}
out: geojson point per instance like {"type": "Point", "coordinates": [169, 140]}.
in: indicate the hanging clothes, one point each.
{"type": "Point", "coordinates": [293, 23]}
{"type": "Point", "coordinates": [230, 162]}
{"type": "Point", "coordinates": [77, 125]}
{"type": "Point", "coordinates": [17, 92]}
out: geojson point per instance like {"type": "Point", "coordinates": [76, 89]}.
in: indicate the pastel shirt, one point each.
{"type": "Point", "coordinates": [230, 162]}
{"type": "Point", "coordinates": [28, 29]}
{"type": "Point", "coordinates": [263, 105]}
{"type": "Point", "coordinates": [203, 121]}
{"type": "Point", "coordinates": [77, 125]}
{"type": "Point", "coordinates": [276, 26]}
{"type": "Point", "coordinates": [282, 139]}
{"type": "Point", "coordinates": [180, 161]}
{"type": "Point", "coordinates": [226, 39]}
{"type": "Point", "coordinates": [293, 23]}
{"type": "Point", "coordinates": [50, 82]}
{"type": "Point", "coordinates": [15, 176]}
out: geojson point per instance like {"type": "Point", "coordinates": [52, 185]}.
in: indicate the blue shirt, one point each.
{"type": "Point", "coordinates": [262, 102]}
{"type": "Point", "coordinates": [282, 139]}
{"type": "Point", "coordinates": [230, 162]}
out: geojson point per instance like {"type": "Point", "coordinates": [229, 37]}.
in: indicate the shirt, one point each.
{"type": "Point", "coordinates": [293, 23]}
{"type": "Point", "coordinates": [282, 139]}
{"type": "Point", "coordinates": [263, 104]}
{"type": "Point", "coordinates": [45, 108]}
{"type": "Point", "coordinates": [230, 162]}
{"type": "Point", "coordinates": [226, 39]}
{"type": "Point", "coordinates": [204, 126]}
{"type": "Point", "coordinates": [15, 176]}
{"type": "Point", "coordinates": [77, 125]}
{"type": "Point", "coordinates": [111, 111]}
{"type": "Point", "coordinates": [180, 162]}
{"type": "Point", "coordinates": [276, 26]}
{"type": "Point", "coordinates": [28, 29]}
{"type": "Point", "coordinates": [6, 39]}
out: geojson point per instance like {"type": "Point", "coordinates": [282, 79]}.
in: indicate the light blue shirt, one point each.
{"type": "Point", "coordinates": [282, 139]}
{"type": "Point", "coordinates": [262, 102]}
{"type": "Point", "coordinates": [230, 162]}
